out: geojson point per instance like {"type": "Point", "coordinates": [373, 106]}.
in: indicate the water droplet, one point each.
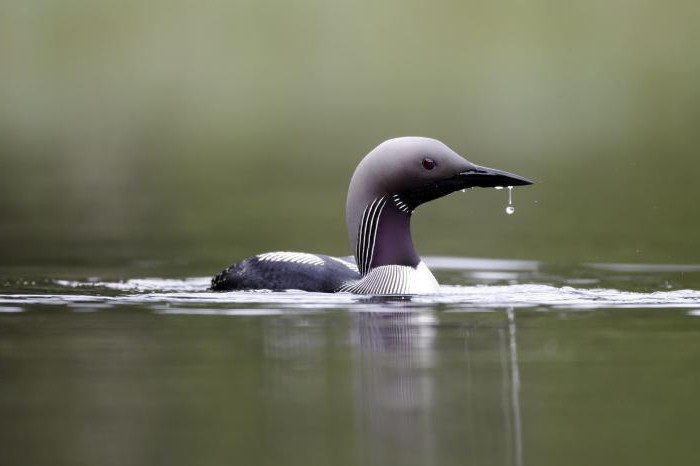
{"type": "Point", "coordinates": [510, 209]}
{"type": "Point", "coordinates": [498, 187]}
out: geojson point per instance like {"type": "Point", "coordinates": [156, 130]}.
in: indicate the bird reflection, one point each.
{"type": "Point", "coordinates": [415, 386]}
{"type": "Point", "coordinates": [395, 392]}
{"type": "Point", "coordinates": [430, 393]}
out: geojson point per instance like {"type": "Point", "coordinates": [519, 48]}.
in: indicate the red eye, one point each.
{"type": "Point", "coordinates": [428, 163]}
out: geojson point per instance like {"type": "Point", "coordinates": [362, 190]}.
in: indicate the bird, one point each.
{"type": "Point", "coordinates": [389, 183]}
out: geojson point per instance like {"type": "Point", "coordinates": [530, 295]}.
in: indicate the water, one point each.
{"type": "Point", "coordinates": [514, 363]}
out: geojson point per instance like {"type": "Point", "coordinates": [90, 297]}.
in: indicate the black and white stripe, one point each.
{"type": "Point", "coordinates": [367, 234]}
{"type": "Point", "coordinates": [291, 257]}
{"type": "Point", "coordinates": [394, 279]}
{"type": "Point", "coordinates": [391, 279]}
{"type": "Point", "coordinates": [387, 279]}
{"type": "Point", "coordinates": [401, 204]}
{"type": "Point", "coordinates": [344, 262]}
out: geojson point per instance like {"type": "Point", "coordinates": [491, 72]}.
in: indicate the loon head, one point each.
{"type": "Point", "coordinates": [392, 180]}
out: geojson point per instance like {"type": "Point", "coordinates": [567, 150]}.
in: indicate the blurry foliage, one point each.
{"type": "Point", "coordinates": [210, 131]}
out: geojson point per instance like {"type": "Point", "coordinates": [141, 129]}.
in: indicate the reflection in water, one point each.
{"type": "Point", "coordinates": [417, 387]}
{"type": "Point", "coordinates": [424, 400]}
{"type": "Point", "coordinates": [296, 415]}
{"type": "Point", "coordinates": [515, 388]}
{"type": "Point", "coordinates": [394, 358]}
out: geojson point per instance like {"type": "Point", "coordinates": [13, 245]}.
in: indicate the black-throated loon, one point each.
{"type": "Point", "coordinates": [389, 183]}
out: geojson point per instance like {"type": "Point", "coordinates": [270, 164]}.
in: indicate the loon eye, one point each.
{"type": "Point", "coordinates": [428, 163]}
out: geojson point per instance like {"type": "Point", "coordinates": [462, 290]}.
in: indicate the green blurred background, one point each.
{"type": "Point", "coordinates": [198, 133]}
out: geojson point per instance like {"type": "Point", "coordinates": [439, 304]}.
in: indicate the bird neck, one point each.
{"type": "Point", "coordinates": [384, 236]}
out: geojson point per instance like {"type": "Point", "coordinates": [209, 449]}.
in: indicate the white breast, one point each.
{"type": "Point", "coordinates": [395, 280]}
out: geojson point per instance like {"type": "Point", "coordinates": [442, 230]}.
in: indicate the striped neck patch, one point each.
{"type": "Point", "coordinates": [367, 234]}
{"type": "Point", "coordinates": [401, 204]}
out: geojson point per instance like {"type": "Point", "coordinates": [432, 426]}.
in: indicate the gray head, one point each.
{"type": "Point", "coordinates": [412, 171]}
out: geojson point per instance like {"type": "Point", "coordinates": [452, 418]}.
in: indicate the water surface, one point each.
{"type": "Point", "coordinates": [515, 362]}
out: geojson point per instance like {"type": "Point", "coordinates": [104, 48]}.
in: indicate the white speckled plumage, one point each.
{"type": "Point", "coordinates": [292, 257]}
{"type": "Point", "coordinates": [346, 263]}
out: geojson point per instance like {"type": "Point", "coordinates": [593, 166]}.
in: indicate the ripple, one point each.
{"type": "Point", "coordinates": [143, 284]}
{"type": "Point", "coordinates": [646, 268]}
{"type": "Point", "coordinates": [191, 292]}
{"type": "Point", "coordinates": [10, 309]}
{"type": "Point", "coordinates": [471, 263]}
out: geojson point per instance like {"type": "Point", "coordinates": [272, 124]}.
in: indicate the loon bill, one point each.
{"type": "Point", "coordinates": [389, 183]}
